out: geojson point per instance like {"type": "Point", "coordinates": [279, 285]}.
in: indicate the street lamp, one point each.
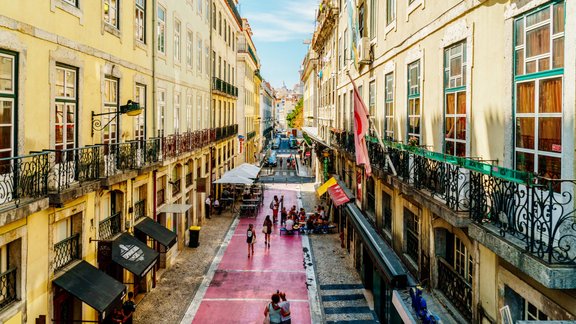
{"type": "Point", "coordinates": [131, 108]}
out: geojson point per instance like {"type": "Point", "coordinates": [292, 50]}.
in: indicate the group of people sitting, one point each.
{"type": "Point", "coordinates": [314, 223]}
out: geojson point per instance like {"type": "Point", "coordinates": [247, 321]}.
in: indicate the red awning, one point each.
{"type": "Point", "coordinates": [338, 196]}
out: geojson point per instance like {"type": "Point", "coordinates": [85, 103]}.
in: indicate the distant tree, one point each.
{"type": "Point", "coordinates": [295, 118]}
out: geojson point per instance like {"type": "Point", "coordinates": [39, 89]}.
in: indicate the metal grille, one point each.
{"type": "Point", "coordinates": [455, 288]}
{"type": "Point", "coordinates": [110, 226]}
{"type": "Point", "coordinates": [7, 287]}
{"type": "Point", "coordinates": [140, 209]}
{"type": "Point", "coordinates": [412, 234]}
{"type": "Point", "coordinates": [66, 251]}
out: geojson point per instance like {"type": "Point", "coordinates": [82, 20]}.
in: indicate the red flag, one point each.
{"type": "Point", "coordinates": [361, 126]}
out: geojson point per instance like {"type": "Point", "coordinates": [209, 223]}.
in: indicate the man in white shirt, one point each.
{"type": "Point", "coordinates": [217, 206]}
{"type": "Point", "coordinates": [207, 205]}
{"type": "Point", "coordinates": [289, 224]}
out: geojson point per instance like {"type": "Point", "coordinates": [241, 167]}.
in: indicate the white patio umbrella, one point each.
{"type": "Point", "coordinates": [234, 179]}
{"type": "Point", "coordinates": [241, 172]}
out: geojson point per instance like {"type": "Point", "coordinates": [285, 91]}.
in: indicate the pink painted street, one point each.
{"type": "Point", "coordinates": [241, 286]}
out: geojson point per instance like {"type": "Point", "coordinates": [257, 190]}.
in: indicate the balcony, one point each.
{"type": "Point", "coordinates": [8, 287]}
{"type": "Point", "coordinates": [188, 179]}
{"type": "Point", "coordinates": [175, 145]}
{"type": "Point", "coordinates": [235, 12]}
{"type": "Point", "coordinates": [140, 209]}
{"type": "Point", "coordinates": [525, 219]}
{"type": "Point", "coordinates": [225, 132]}
{"type": "Point", "coordinates": [176, 187]}
{"type": "Point", "coordinates": [66, 251]}
{"type": "Point", "coordinates": [327, 14]}
{"type": "Point", "coordinates": [24, 177]}
{"type": "Point", "coordinates": [110, 226]}
{"type": "Point", "coordinates": [224, 88]}
{"type": "Point", "coordinates": [455, 288]}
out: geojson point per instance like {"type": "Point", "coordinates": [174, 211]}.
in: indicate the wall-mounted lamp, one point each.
{"type": "Point", "coordinates": [131, 108]}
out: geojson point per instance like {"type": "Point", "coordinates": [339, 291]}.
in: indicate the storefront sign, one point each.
{"type": "Point", "coordinates": [104, 252]}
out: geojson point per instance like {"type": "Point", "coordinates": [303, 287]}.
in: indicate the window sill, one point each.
{"type": "Point", "coordinates": [411, 8]}
{"type": "Point", "coordinates": [391, 26]}
{"type": "Point", "coordinates": [112, 30]}
{"type": "Point", "coordinates": [140, 45]}
{"type": "Point", "coordinates": [65, 6]}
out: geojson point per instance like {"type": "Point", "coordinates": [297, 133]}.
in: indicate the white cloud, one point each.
{"type": "Point", "coordinates": [289, 20]}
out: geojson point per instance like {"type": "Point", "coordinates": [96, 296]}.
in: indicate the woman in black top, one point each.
{"type": "Point", "coordinates": [250, 239]}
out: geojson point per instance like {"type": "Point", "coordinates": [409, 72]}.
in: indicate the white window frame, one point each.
{"type": "Point", "coordinates": [68, 100]}
{"type": "Point", "coordinates": [139, 121]}
{"type": "Point", "coordinates": [414, 91]}
{"type": "Point", "coordinates": [10, 97]}
{"type": "Point", "coordinates": [111, 104]}
{"type": "Point", "coordinates": [112, 10]}
{"type": "Point", "coordinates": [177, 41]}
{"type": "Point", "coordinates": [189, 125]}
{"type": "Point", "coordinates": [455, 85]}
{"type": "Point", "coordinates": [189, 48]}
{"type": "Point", "coordinates": [389, 106]}
{"type": "Point", "coordinates": [161, 110]}
{"type": "Point", "coordinates": [140, 21]}
{"type": "Point", "coordinates": [177, 111]}
{"type": "Point", "coordinates": [161, 30]}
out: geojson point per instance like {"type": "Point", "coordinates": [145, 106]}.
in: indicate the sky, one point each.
{"type": "Point", "coordinates": [279, 29]}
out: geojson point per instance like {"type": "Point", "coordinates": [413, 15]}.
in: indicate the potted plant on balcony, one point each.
{"type": "Point", "coordinates": [413, 141]}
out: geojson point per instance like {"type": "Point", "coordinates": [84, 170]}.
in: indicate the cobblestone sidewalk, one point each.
{"type": "Point", "coordinates": [168, 302]}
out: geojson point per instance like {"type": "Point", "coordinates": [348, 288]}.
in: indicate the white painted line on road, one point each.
{"type": "Point", "coordinates": [195, 304]}
{"type": "Point", "coordinates": [254, 299]}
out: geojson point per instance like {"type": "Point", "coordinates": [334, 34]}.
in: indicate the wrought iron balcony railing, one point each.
{"type": "Point", "coordinates": [176, 187]}
{"type": "Point", "coordinates": [224, 87]}
{"type": "Point", "coordinates": [8, 287]}
{"type": "Point", "coordinates": [24, 177]}
{"type": "Point", "coordinates": [160, 197]}
{"type": "Point", "coordinates": [535, 211]}
{"type": "Point", "coordinates": [73, 166]}
{"type": "Point", "coordinates": [119, 157]}
{"type": "Point", "coordinates": [250, 136]}
{"type": "Point", "coordinates": [188, 179]}
{"type": "Point", "coordinates": [110, 226]}
{"type": "Point", "coordinates": [455, 288]}
{"type": "Point", "coordinates": [140, 209]}
{"type": "Point", "coordinates": [66, 251]}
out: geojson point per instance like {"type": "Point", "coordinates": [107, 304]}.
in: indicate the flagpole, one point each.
{"type": "Point", "coordinates": [378, 134]}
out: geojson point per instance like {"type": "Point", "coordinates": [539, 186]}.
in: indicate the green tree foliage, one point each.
{"type": "Point", "coordinates": [295, 118]}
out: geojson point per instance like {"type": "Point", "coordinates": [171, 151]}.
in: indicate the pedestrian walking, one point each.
{"type": "Point", "coordinates": [273, 310]}
{"type": "Point", "coordinates": [208, 205]}
{"type": "Point", "coordinates": [274, 204]}
{"type": "Point", "coordinates": [250, 239]}
{"type": "Point", "coordinates": [280, 163]}
{"type": "Point", "coordinates": [283, 216]}
{"type": "Point", "coordinates": [285, 305]}
{"type": "Point", "coordinates": [217, 206]}
{"type": "Point", "coordinates": [267, 229]}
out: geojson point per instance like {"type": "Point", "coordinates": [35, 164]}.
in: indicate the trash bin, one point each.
{"type": "Point", "coordinates": [194, 236]}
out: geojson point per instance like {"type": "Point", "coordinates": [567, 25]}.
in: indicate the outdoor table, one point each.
{"type": "Point", "coordinates": [249, 209]}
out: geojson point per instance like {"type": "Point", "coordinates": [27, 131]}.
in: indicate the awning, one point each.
{"type": "Point", "coordinates": [174, 208]}
{"type": "Point", "coordinates": [234, 179]}
{"type": "Point", "coordinates": [324, 187]}
{"type": "Point", "coordinates": [156, 231]}
{"type": "Point", "coordinates": [382, 253]}
{"type": "Point", "coordinates": [133, 255]}
{"type": "Point", "coordinates": [338, 196]}
{"type": "Point", "coordinates": [92, 286]}
{"type": "Point", "coordinates": [312, 132]}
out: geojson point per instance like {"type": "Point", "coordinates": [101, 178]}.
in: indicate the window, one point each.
{"type": "Point", "coordinates": [539, 55]}
{"type": "Point", "coordinates": [110, 132]}
{"type": "Point", "coordinates": [463, 262]}
{"type": "Point", "coordinates": [140, 25]}
{"type": "Point", "coordinates": [10, 267]}
{"type": "Point", "coordinates": [8, 103]}
{"type": "Point", "coordinates": [362, 19]}
{"type": "Point", "coordinates": [371, 198]}
{"type": "Point", "coordinates": [214, 16]}
{"type": "Point", "coordinates": [225, 32]}
{"type": "Point", "coordinates": [177, 49]}
{"type": "Point", "coordinates": [140, 120]}
{"type": "Point", "coordinates": [177, 112]}
{"type": "Point", "coordinates": [340, 62]}
{"type": "Point", "coordinates": [220, 23]}
{"type": "Point", "coordinates": [521, 308]}
{"type": "Point", "coordinates": [199, 55]}
{"type": "Point", "coordinates": [390, 11]}
{"type": "Point", "coordinates": [207, 59]}
{"type": "Point", "coordinates": [414, 102]}
{"type": "Point", "coordinates": [412, 232]}
{"type": "Point", "coordinates": [373, 12]}
{"type": "Point", "coordinates": [198, 110]}
{"type": "Point", "coordinates": [386, 212]}
{"type": "Point", "coordinates": [346, 40]}
{"type": "Point", "coordinates": [455, 100]}
{"type": "Point", "coordinates": [161, 111]}
{"type": "Point", "coordinates": [207, 11]}
{"type": "Point", "coordinates": [199, 7]}
{"type": "Point", "coordinates": [213, 63]}
{"type": "Point", "coordinates": [189, 48]}
{"type": "Point", "coordinates": [389, 107]}
{"type": "Point", "coordinates": [66, 100]}
{"type": "Point", "coordinates": [161, 30]}
{"type": "Point", "coordinates": [372, 104]}
{"type": "Point", "coordinates": [189, 112]}
{"type": "Point", "coordinates": [72, 2]}
{"type": "Point", "coordinates": [111, 13]}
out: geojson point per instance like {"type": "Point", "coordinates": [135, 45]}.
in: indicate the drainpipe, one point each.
{"type": "Point", "coordinates": [210, 80]}
{"type": "Point", "coordinates": [154, 126]}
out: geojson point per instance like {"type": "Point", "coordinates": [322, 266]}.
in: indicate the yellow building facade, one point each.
{"type": "Point", "coordinates": [466, 190]}
{"type": "Point", "coordinates": [108, 147]}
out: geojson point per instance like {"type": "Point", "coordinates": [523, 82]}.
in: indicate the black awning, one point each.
{"type": "Point", "coordinates": [156, 231]}
{"type": "Point", "coordinates": [384, 255]}
{"type": "Point", "coordinates": [92, 286]}
{"type": "Point", "coordinates": [133, 255]}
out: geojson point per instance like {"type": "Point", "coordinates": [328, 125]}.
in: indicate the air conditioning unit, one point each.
{"type": "Point", "coordinates": [364, 51]}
